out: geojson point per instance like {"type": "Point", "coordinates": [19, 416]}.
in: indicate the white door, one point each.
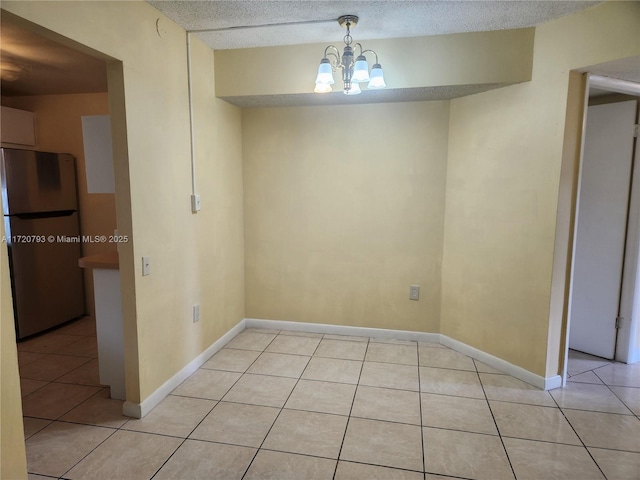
{"type": "Point", "coordinates": [603, 200]}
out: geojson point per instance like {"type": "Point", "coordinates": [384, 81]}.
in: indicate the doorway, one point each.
{"type": "Point", "coordinates": [61, 82]}
{"type": "Point", "coordinates": [602, 318]}
{"type": "Point", "coordinates": [601, 226]}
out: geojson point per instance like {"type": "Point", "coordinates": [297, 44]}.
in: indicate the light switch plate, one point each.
{"type": "Point", "coordinates": [195, 203]}
{"type": "Point", "coordinates": [146, 266]}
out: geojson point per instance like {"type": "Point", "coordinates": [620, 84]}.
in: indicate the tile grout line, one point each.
{"type": "Point", "coordinates": [46, 383]}
{"type": "Point", "coordinates": [115, 430]}
{"type": "Point", "coordinates": [365, 418]}
{"type": "Point", "coordinates": [73, 369]}
{"type": "Point", "coordinates": [395, 422]}
{"type": "Point", "coordinates": [184, 440]}
{"type": "Point", "coordinates": [188, 435]}
{"type": "Point", "coordinates": [504, 448]}
{"type": "Point", "coordinates": [353, 401]}
{"type": "Point", "coordinates": [89, 360]}
{"type": "Point", "coordinates": [615, 394]}
{"type": "Point", "coordinates": [594, 371]}
{"type": "Point", "coordinates": [594, 411]}
{"type": "Point", "coordinates": [424, 458]}
{"type": "Point", "coordinates": [578, 436]}
{"type": "Point", "coordinates": [171, 456]}
{"type": "Point", "coordinates": [283, 404]}
{"type": "Point", "coordinates": [368, 341]}
{"type": "Point", "coordinates": [59, 418]}
{"type": "Point", "coordinates": [90, 452]}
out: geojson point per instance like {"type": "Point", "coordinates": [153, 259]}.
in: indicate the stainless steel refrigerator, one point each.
{"type": "Point", "coordinates": [42, 231]}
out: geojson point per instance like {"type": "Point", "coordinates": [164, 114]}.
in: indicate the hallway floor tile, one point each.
{"type": "Point", "coordinates": [289, 405]}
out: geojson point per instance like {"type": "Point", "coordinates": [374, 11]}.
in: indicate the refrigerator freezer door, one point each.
{"type": "Point", "coordinates": [37, 182]}
{"type": "Point", "coordinates": [47, 281]}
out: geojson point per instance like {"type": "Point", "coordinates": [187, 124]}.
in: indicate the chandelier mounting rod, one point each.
{"type": "Point", "coordinates": [355, 69]}
{"type": "Point", "coordinates": [348, 21]}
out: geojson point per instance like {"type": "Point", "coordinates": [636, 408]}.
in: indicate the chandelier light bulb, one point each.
{"type": "Point", "coordinates": [377, 78]}
{"type": "Point", "coordinates": [325, 73]}
{"type": "Point", "coordinates": [361, 70]}
{"type": "Point", "coordinates": [322, 88]}
{"type": "Point", "coordinates": [354, 90]}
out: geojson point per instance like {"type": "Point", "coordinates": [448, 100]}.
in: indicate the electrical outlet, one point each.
{"type": "Point", "coordinates": [146, 266]}
{"type": "Point", "coordinates": [414, 292]}
{"type": "Point", "coordinates": [196, 313]}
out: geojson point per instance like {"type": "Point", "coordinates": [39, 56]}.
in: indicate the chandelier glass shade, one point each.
{"type": "Point", "coordinates": [355, 71]}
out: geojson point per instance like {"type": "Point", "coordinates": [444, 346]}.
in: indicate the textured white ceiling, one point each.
{"type": "Point", "coordinates": [57, 69]}
{"type": "Point", "coordinates": [243, 22]}
{"type": "Point", "coordinates": [624, 69]}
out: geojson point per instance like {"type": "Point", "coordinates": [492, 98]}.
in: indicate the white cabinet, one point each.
{"type": "Point", "coordinates": [17, 127]}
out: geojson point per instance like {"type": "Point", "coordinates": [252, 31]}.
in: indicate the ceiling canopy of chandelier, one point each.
{"type": "Point", "coordinates": [353, 72]}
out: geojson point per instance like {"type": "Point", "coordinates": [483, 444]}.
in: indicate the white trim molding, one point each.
{"type": "Point", "coordinates": [520, 373]}
{"type": "Point", "coordinates": [504, 366]}
{"type": "Point", "coordinates": [139, 410]}
{"type": "Point", "coordinates": [613, 84]}
{"type": "Point", "coordinates": [343, 330]}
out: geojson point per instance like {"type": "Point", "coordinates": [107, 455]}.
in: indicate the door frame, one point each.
{"type": "Point", "coordinates": [630, 301]}
{"type": "Point", "coordinates": [118, 114]}
{"type": "Point", "coordinates": [630, 294]}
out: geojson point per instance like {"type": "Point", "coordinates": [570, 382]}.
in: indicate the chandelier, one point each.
{"type": "Point", "coordinates": [353, 72]}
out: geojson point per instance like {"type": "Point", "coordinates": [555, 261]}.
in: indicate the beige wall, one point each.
{"type": "Point", "coordinates": [457, 59]}
{"type": "Point", "coordinates": [505, 155]}
{"type": "Point", "coordinates": [13, 463]}
{"type": "Point", "coordinates": [343, 211]}
{"type": "Point", "coordinates": [59, 129]}
{"type": "Point", "coordinates": [347, 233]}
{"type": "Point", "coordinates": [194, 258]}
{"type": "Point", "coordinates": [317, 249]}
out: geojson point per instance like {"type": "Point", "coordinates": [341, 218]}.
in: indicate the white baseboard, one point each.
{"type": "Point", "coordinates": [139, 410]}
{"type": "Point", "coordinates": [495, 362]}
{"type": "Point", "coordinates": [343, 330]}
{"type": "Point", "coordinates": [552, 382]}
{"type": "Point", "coordinates": [502, 365]}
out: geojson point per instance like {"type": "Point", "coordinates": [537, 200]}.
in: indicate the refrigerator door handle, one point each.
{"type": "Point", "coordinates": [35, 216]}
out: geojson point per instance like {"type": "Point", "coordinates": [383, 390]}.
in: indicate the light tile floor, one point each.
{"type": "Point", "coordinates": [285, 405]}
